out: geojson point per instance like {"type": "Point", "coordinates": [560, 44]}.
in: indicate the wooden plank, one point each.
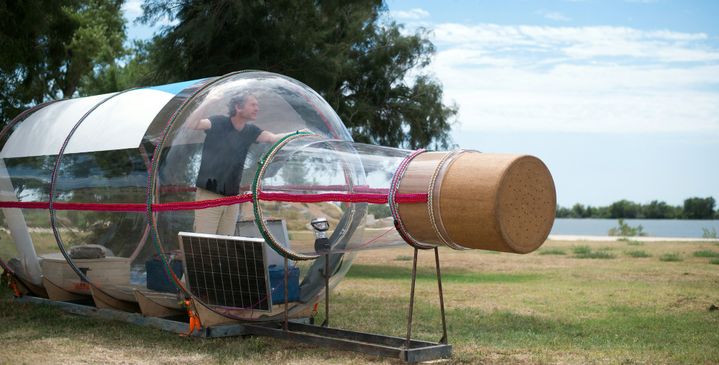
{"type": "Point", "coordinates": [150, 308]}
{"type": "Point", "coordinates": [57, 293]}
{"type": "Point", "coordinates": [208, 317]}
{"type": "Point", "coordinates": [26, 287]}
{"type": "Point", "coordinates": [100, 272]}
{"type": "Point", "coordinates": [105, 301]}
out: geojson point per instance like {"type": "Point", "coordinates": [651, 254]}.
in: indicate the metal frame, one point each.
{"type": "Point", "coordinates": [405, 349]}
{"type": "Point", "coordinates": [402, 348]}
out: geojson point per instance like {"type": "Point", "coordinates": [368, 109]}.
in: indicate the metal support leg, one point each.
{"type": "Point", "coordinates": [326, 275]}
{"type": "Point", "coordinates": [411, 300]}
{"type": "Point", "coordinates": [441, 297]}
{"type": "Point", "coordinates": [285, 325]}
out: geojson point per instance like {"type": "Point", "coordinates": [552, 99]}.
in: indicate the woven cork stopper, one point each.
{"type": "Point", "coordinates": [484, 201]}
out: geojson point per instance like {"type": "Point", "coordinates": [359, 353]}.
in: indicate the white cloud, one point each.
{"type": "Point", "coordinates": [412, 14]}
{"type": "Point", "coordinates": [132, 9]}
{"type": "Point", "coordinates": [553, 15]}
{"type": "Point", "coordinates": [579, 79]}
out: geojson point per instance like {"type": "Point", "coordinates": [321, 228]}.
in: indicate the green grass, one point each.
{"type": "Point", "coordinates": [501, 309]}
{"type": "Point", "coordinates": [706, 253]}
{"type": "Point", "coordinates": [671, 257]}
{"type": "Point", "coordinates": [428, 274]}
{"type": "Point", "coordinates": [638, 254]}
{"type": "Point", "coordinates": [403, 258]}
{"type": "Point", "coordinates": [552, 251]}
{"type": "Point", "coordinates": [714, 261]}
{"type": "Point", "coordinates": [585, 252]}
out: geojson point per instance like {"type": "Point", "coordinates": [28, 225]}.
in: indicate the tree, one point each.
{"type": "Point", "coordinates": [624, 209]}
{"type": "Point", "coordinates": [699, 208]}
{"type": "Point", "coordinates": [367, 69]}
{"type": "Point", "coordinates": [131, 70]}
{"type": "Point", "coordinates": [563, 212]}
{"type": "Point", "coordinates": [50, 46]}
{"type": "Point", "coordinates": [658, 210]}
{"type": "Point", "coordinates": [578, 211]}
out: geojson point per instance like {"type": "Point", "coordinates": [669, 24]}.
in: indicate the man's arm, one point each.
{"type": "Point", "coordinates": [197, 120]}
{"type": "Point", "coordinates": [199, 124]}
{"type": "Point", "coordinates": [269, 137]}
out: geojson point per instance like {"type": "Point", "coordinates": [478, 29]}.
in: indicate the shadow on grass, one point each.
{"type": "Point", "coordinates": [26, 324]}
{"type": "Point", "coordinates": [426, 274]}
{"type": "Point", "coordinates": [682, 337]}
{"type": "Point", "coordinates": [685, 337]}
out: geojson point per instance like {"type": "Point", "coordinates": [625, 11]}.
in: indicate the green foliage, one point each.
{"type": "Point", "coordinates": [581, 250]}
{"type": "Point", "coordinates": [368, 69]}
{"type": "Point", "coordinates": [638, 254]}
{"type": "Point", "coordinates": [714, 261]}
{"type": "Point", "coordinates": [585, 252]}
{"type": "Point", "coordinates": [699, 208]}
{"type": "Point", "coordinates": [50, 46]}
{"type": "Point", "coordinates": [709, 233]}
{"type": "Point", "coordinates": [693, 208]}
{"type": "Point", "coordinates": [625, 230]}
{"type": "Point", "coordinates": [379, 210]}
{"type": "Point", "coordinates": [658, 210]}
{"type": "Point", "coordinates": [671, 257]}
{"type": "Point", "coordinates": [706, 253]}
{"type": "Point", "coordinates": [131, 70]}
{"type": "Point", "coordinates": [624, 209]}
{"type": "Point", "coordinates": [552, 251]}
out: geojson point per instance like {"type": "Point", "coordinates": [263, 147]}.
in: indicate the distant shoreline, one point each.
{"type": "Point", "coordinates": [563, 237]}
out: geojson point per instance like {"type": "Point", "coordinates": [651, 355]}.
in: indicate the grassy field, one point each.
{"type": "Point", "coordinates": [567, 303]}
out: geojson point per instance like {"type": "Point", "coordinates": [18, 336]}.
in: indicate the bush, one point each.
{"type": "Point", "coordinates": [714, 261]}
{"type": "Point", "coordinates": [584, 252]}
{"type": "Point", "coordinates": [706, 253]}
{"type": "Point", "coordinates": [625, 230]}
{"type": "Point", "coordinates": [638, 254]}
{"type": "Point", "coordinates": [552, 251]}
{"type": "Point", "coordinates": [709, 233]}
{"type": "Point", "coordinates": [670, 257]}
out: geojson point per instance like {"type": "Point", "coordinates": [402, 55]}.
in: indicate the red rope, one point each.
{"type": "Point", "coordinates": [230, 200]}
{"type": "Point", "coordinates": [356, 188]}
{"type": "Point", "coordinates": [340, 197]}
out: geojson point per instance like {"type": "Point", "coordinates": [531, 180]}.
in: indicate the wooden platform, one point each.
{"type": "Point", "coordinates": [108, 271]}
{"type": "Point", "coordinates": [156, 304]}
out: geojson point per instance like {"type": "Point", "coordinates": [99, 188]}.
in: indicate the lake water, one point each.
{"type": "Point", "coordinates": [653, 227]}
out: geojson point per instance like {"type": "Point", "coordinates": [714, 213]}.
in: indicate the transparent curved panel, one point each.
{"type": "Point", "coordinates": [208, 158]}
{"type": "Point", "coordinates": [25, 179]}
{"type": "Point", "coordinates": [313, 178]}
{"type": "Point", "coordinates": [101, 180]}
{"type": "Point", "coordinates": [24, 184]}
{"type": "Point", "coordinates": [100, 191]}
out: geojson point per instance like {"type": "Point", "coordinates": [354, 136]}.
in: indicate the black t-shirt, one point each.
{"type": "Point", "coordinates": [223, 155]}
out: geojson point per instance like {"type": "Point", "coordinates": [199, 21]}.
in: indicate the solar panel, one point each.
{"type": "Point", "coordinates": [226, 271]}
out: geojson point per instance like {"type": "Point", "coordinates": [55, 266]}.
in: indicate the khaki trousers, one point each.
{"type": "Point", "coordinates": [218, 220]}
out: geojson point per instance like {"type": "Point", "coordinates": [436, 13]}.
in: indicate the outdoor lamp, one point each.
{"type": "Point", "coordinates": [322, 243]}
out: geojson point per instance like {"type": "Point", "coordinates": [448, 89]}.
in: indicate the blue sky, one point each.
{"type": "Point", "coordinates": [619, 98]}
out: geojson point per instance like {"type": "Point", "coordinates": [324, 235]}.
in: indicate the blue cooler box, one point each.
{"type": "Point", "coordinates": [277, 284]}
{"type": "Point", "coordinates": [157, 278]}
